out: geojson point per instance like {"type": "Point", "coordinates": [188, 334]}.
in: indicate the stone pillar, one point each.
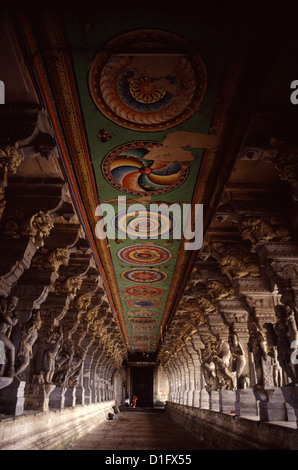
{"type": "Point", "coordinates": [214, 400]}
{"type": "Point", "coordinates": [70, 397]}
{"type": "Point", "coordinates": [187, 375]}
{"type": "Point", "coordinates": [57, 398]}
{"type": "Point", "coordinates": [227, 401]}
{"type": "Point", "coordinates": [272, 406]}
{"type": "Point", "coordinates": [39, 397]}
{"type": "Point", "coordinates": [182, 384]}
{"type": "Point", "coordinates": [12, 397]}
{"type": "Point", "coordinates": [246, 403]}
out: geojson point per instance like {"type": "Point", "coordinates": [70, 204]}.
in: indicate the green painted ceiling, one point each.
{"type": "Point", "coordinates": [87, 36]}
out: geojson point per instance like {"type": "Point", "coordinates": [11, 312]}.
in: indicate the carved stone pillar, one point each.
{"type": "Point", "coordinates": [182, 383]}
{"type": "Point", "coordinates": [192, 363]}
{"type": "Point", "coordinates": [176, 379]}
{"type": "Point", "coordinates": [196, 342]}
{"type": "Point", "coordinates": [27, 238]}
{"type": "Point", "coordinates": [12, 398]}
{"type": "Point", "coordinates": [10, 159]}
{"type": "Point", "coordinates": [186, 373]}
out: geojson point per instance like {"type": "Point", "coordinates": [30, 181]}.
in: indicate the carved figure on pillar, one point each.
{"type": "Point", "coordinates": [208, 368]}
{"type": "Point", "coordinates": [63, 362]}
{"type": "Point", "coordinates": [29, 336]}
{"type": "Point", "coordinates": [287, 333]}
{"type": "Point", "coordinates": [258, 346]}
{"type": "Point", "coordinates": [276, 368]}
{"type": "Point", "coordinates": [223, 365]}
{"type": "Point", "coordinates": [75, 368]}
{"type": "Point", "coordinates": [238, 357]}
{"type": "Point", "coordinates": [8, 319]}
{"type": "Point", "coordinates": [54, 342]}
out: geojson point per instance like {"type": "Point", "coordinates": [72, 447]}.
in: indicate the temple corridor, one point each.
{"type": "Point", "coordinates": [148, 228]}
{"type": "Point", "coordinates": [139, 430]}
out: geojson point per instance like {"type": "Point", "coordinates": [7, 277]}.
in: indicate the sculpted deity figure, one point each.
{"type": "Point", "coordinates": [238, 357]}
{"type": "Point", "coordinates": [75, 367]}
{"type": "Point", "coordinates": [223, 365]}
{"type": "Point", "coordinates": [29, 337]}
{"type": "Point", "coordinates": [63, 362]}
{"type": "Point", "coordinates": [287, 333]}
{"type": "Point", "coordinates": [276, 368]}
{"type": "Point", "coordinates": [54, 344]}
{"type": "Point", "coordinates": [259, 348]}
{"type": "Point", "coordinates": [8, 319]}
{"type": "Point", "coordinates": [208, 368]}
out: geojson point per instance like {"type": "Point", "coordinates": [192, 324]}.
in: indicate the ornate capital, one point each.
{"type": "Point", "coordinates": [53, 260]}
{"type": "Point", "coordinates": [257, 230]}
{"type": "Point", "coordinates": [68, 286]}
{"type": "Point", "coordinates": [10, 158]}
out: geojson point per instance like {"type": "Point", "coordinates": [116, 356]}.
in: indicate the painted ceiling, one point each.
{"type": "Point", "coordinates": [142, 104]}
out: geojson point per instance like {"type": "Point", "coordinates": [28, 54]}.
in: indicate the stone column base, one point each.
{"type": "Point", "coordinates": [246, 403]}
{"type": "Point", "coordinates": [205, 400]}
{"type": "Point", "coordinates": [57, 398]}
{"type": "Point", "coordinates": [12, 397]}
{"type": "Point", "coordinates": [80, 396]}
{"type": "Point", "coordinates": [196, 399]}
{"type": "Point", "coordinates": [275, 408]}
{"type": "Point", "coordinates": [227, 401]}
{"type": "Point", "coordinates": [39, 396]}
{"type": "Point", "coordinates": [290, 393]}
{"type": "Point", "coordinates": [214, 400]}
{"type": "Point", "coordinates": [70, 397]}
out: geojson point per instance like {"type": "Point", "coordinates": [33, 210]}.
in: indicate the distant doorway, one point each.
{"type": "Point", "coordinates": [142, 385]}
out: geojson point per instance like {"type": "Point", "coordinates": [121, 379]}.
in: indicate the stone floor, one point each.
{"type": "Point", "coordinates": [139, 429]}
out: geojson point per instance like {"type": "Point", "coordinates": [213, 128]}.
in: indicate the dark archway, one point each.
{"type": "Point", "coordinates": [142, 385]}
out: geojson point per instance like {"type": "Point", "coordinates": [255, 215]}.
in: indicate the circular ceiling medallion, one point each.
{"type": "Point", "coordinates": [143, 303]}
{"type": "Point", "coordinates": [147, 80]}
{"type": "Point", "coordinates": [127, 169]}
{"type": "Point", "coordinates": [145, 255]}
{"type": "Point", "coordinates": [145, 224]}
{"type": "Point", "coordinates": [143, 291]}
{"type": "Point", "coordinates": [142, 313]}
{"type": "Point", "coordinates": [144, 275]}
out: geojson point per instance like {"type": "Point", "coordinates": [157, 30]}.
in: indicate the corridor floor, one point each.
{"type": "Point", "coordinates": [139, 430]}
